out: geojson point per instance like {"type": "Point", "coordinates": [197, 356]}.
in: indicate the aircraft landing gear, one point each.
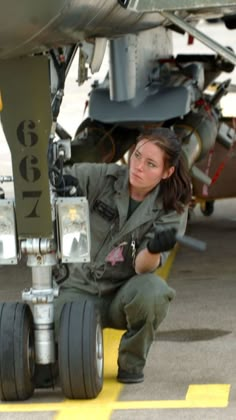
{"type": "Point", "coordinates": [80, 346]}
{"type": "Point", "coordinates": [27, 340]}
{"type": "Point", "coordinates": [16, 352]}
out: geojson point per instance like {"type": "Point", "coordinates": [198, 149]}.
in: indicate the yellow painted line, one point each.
{"type": "Point", "coordinates": [1, 105]}
{"type": "Point", "coordinates": [165, 270]}
{"type": "Point", "coordinates": [198, 396]}
{"type": "Point", "coordinates": [212, 395]}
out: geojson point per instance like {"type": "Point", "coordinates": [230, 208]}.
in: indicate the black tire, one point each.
{"type": "Point", "coordinates": [16, 352]}
{"type": "Point", "coordinates": [80, 346]}
{"type": "Point", "coordinates": [207, 208]}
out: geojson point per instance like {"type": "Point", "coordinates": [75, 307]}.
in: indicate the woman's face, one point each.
{"type": "Point", "coordinates": [147, 166]}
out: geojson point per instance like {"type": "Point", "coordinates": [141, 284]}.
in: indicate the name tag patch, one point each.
{"type": "Point", "coordinates": [105, 211]}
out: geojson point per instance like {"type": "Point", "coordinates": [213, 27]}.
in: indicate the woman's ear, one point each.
{"type": "Point", "coordinates": [169, 172]}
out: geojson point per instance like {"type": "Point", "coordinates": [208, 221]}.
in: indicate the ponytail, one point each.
{"type": "Point", "coordinates": [176, 190]}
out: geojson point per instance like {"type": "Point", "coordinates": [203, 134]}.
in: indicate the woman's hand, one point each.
{"type": "Point", "coordinates": [162, 241]}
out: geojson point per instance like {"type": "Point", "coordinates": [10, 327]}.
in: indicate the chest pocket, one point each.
{"type": "Point", "coordinates": [102, 222]}
{"type": "Point", "coordinates": [104, 210]}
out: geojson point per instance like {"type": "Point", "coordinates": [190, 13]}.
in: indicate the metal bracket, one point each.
{"type": "Point", "coordinates": [40, 296]}
{"type": "Point", "coordinates": [209, 42]}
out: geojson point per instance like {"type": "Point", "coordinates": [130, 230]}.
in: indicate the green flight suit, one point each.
{"type": "Point", "coordinates": [134, 302]}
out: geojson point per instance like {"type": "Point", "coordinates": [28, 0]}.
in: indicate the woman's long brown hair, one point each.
{"type": "Point", "coordinates": [176, 190]}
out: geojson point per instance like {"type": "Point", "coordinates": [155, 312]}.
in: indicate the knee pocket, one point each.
{"type": "Point", "coordinates": [150, 298]}
{"type": "Point", "coordinates": [152, 288]}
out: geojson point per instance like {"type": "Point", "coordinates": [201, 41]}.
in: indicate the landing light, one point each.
{"type": "Point", "coordinates": [8, 248]}
{"type": "Point", "coordinates": [74, 229]}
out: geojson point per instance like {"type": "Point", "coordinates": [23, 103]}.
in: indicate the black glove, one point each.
{"type": "Point", "coordinates": [69, 186]}
{"type": "Point", "coordinates": [70, 181]}
{"type": "Point", "coordinates": [162, 241]}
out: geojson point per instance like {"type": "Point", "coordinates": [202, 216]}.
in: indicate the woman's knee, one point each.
{"type": "Point", "coordinates": [148, 296]}
{"type": "Point", "coordinates": [151, 287]}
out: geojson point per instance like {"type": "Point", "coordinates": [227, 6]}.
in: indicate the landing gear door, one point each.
{"type": "Point", "coordinates": [26, 119]}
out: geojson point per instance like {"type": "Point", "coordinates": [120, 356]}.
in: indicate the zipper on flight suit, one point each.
{"type": "Point", "coordinates": [93, 271]}
{"type": "Point", "coordinates": [104, 240]}
{"type": "Point", "coordinates": [133, 249]}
